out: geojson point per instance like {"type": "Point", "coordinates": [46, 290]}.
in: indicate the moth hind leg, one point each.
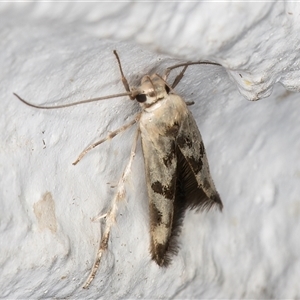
{"type": "Point", "coordinates": [111, 215]}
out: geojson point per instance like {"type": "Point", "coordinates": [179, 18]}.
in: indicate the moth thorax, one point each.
{"type": "Point", "coordinates": [153, 88]}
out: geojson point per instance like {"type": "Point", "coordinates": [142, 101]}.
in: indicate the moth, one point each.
{"type": "Point", "coordinates": [176, 165]}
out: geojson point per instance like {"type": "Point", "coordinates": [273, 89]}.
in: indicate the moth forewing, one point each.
{"type": "Point", "coordinates": [177, 172]}
{"type": "Point", "coordinates": [191, 146]}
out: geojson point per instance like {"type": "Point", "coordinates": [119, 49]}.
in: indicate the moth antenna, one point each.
{"type": "Point", "coordinates": [124, 80]}
{"type": "Point", "coordinates": [74, 103]}
{"type": "Point", "coordinates": [168, 70]}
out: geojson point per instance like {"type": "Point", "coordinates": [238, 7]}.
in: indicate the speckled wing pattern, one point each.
{"type": "Point", "coordinates": [177, 174]}
{"type": "Point", "coordinates": [197, 185]}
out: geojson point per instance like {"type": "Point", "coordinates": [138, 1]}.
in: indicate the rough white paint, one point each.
{"type": "Point", "coordinates": [63, 52]}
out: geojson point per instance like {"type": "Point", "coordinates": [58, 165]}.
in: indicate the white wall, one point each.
{"type": "Point", "coordinates": [61, 53]}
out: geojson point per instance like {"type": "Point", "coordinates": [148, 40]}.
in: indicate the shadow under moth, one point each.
{"type": "Point", "coordinates": [176, 166]}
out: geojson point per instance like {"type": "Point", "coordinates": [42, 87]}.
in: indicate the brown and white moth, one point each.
{"type": "Point", "coordinates": [176, 166]}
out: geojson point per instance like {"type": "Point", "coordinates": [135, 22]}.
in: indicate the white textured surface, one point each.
{"type": "Point", "coordinates": [64, 52]}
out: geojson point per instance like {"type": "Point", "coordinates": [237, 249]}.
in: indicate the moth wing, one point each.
{"type": "Point", "coordinates": [177, 175]}
{"type": "Point", "coordinates": [160, 166]}
{"type": "Point", "coordinates": [195, 182]}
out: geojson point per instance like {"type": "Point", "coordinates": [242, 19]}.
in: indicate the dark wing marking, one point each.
{"type": "Point", "coordinates": [196, 183]}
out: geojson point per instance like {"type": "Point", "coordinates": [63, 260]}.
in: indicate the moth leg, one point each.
{"type": "Point", "coordinates": [179, 77]}
{"type": "Point", "coordinates": [99, 217]}
{"type": "Point", "coordinates": [189, 103]}
{"type": "Point", "coordinates": [124, 80]}
{"type": "Point", "coordinates": [108, 137]}
{"type": "Point", "coordinates": [110, 217]}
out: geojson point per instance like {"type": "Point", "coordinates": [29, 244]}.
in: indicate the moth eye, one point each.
{"type": "Point", "coordinates": [141, 98]}
{"type": "Point", "coordinates": [167, 89]}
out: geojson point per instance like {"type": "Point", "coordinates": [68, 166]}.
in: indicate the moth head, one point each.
{"type": "Point", "coordinates": [152, 89]}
